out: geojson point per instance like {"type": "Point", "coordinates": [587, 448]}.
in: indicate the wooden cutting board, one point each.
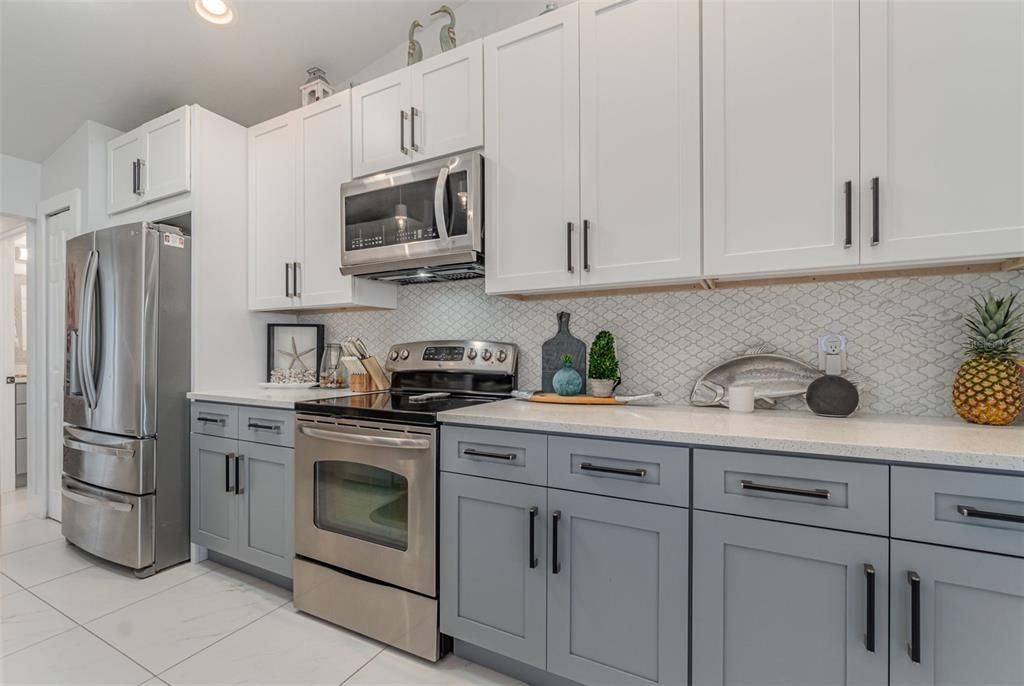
{"type": "Point", "coordinates": [572, 399]}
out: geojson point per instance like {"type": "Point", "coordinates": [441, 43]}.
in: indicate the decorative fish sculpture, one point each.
{"type": "Point", "coordinates": [772, 376]}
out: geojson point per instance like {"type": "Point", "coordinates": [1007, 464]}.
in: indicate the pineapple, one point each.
{"type": "Point", "coordinates": [987, 389]}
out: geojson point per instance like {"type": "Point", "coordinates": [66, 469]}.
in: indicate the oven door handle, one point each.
{"type": "Point", "coordinates": [439, 219]}
{"type": "Point", "coordinates": [362, 439]}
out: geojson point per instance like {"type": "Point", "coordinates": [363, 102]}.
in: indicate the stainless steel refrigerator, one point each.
{"type": "Point", "coordinates": [125, 482]}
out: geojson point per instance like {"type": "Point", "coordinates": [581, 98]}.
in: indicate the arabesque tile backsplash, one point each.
{"type": "Point", "coordinates": [903, 334]}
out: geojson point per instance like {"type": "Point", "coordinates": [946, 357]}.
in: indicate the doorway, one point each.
{"type": "Point", "coordinates": [13, 361]}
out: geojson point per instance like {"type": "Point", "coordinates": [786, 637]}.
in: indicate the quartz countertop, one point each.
{"type": "Point", "coordinates": [938, 441]}
{"type": "Point", "coordinates": [284, 398]}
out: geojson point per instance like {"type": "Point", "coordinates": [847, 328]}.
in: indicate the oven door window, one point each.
{"type": "Point", "coordinates": [364, 502]}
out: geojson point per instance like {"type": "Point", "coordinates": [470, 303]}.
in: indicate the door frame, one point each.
{"type": "Point", "coordinates": [44, 493]}
{"type": "Point", "coordinates": [7, 402]}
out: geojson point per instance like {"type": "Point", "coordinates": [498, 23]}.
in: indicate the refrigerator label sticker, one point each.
{"type": "Point", "coordinates": [174, 241]}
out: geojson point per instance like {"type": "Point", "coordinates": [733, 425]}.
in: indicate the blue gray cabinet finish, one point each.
{"type": "Point", "coordinates": [266, 536]}
{"type": "Point", "coordinates": [212, 419]}
{"type": "Point", "coordinates": [617, 609]}
{"type": "Point", "coordinates": [214, 507]}
{"type": "Point", "coordinates": [491, 596]}
{"type": "Point", "coordinates": [786, 605]}
{"type": "Point", "coordinates": [621, 469]}
{"type": "Point", "coordinates": [507, 455]}
{"type": "Point", "coordinates": [971, 617]}
{"type": "Point", "coordinates": [829, 493]}
{"type": "Point", "coordinates": [957, 509]}
{"type": "Point", "coordinates": [265, 425]}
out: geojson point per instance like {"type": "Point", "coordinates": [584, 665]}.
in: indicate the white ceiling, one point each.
{"type": "Point", "coordinates": [124, 62]}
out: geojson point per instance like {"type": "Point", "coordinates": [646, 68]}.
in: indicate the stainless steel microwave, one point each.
{"type": "Point", "coordinates": [421, 223]}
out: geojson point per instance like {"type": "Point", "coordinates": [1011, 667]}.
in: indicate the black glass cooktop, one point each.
{"type": "Point", "coordinates": [416, 407]}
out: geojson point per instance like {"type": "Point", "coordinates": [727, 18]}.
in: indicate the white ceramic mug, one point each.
{"type": "Point", "coordinates": [741, 398]}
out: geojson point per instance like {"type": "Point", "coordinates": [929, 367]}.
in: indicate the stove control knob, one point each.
{"type": "Point", "coordinates": [502, 356]}
{"type": "Point", "coordinates": [393, 355]}
{"type": "Point", "coordinates": [404, 354]}
{"type": "Point", "coordinates": [471, 354]}
{"type": "Point", "coordinates": [486, 354]}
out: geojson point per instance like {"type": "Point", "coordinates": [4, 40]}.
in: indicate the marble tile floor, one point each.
{"type": "Point", "coordinates": [69, 618]}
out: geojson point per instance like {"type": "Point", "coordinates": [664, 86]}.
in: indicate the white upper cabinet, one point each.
{"type": "Point", "coordinates": [150, 163]}
{"type": "Point", "coordinates": [780, 135]}
{"type": "Point", "coordinates": [639, 141]}
{"type": "Point", "coordinates": [942, 117]}
{"type": "Point", "coordinates": [428, 110]}
{"type": "Point", "coordinates": [297, 163]}
{"type": "Point", "coordinates": [531, 159]}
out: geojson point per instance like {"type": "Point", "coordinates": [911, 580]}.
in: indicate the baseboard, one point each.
{"type": "Point", "coordinates": [509, 667]}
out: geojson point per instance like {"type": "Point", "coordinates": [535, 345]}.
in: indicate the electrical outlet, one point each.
{"type": "Point", "coordinates": [832, 353]}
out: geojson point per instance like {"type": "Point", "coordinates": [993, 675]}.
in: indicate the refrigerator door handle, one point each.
{"type": "Point", "coordinates": [87, 336]}
{"type": "Point", "coordinates": [110, 450]}
{"type": "Point", "coordinates": [74, 378]}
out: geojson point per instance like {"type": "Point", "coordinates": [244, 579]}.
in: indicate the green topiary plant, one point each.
{"type": "Point", "coordinates": [603, 363]}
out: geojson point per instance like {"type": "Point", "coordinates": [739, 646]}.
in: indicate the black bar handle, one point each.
{"type": "Point", "coordinates": [473, 452]}
{"type": "Point", "coordinates": [219, 421]}
{"type": "Point", "coordinates": [819, 493]}
{"type": "Point", "coordinates": [848, 200]}
{"type": "Point", "coordinates": [588, 467]}
{"type": "Point", "coordinates": [412, 129]}
{"type": "Point", "coordinates": [295, 279]}
{"type": "Point", "coordinates": [287, 279]}
{"type": "Point", "coordinates": [238, 464]}
{"type": "Point", "coordinates": [915, 616]}
{"type": "Point", "coordinates": [869, 615]}
{"type": "Point", "coordinates": [568, 247]}
{"type": "Point", "coordinates": [265, 427]}
{"type": "Point", "coordinates": [586, 245]}
{"type": "Point", "coordinates": [401, 132]}
{"type": "Point", "coordinates": [227, 472]}
{"type": "Point", "coordinates": [533, 549]}
{"type": "Point", "coordinates": [556, 566]}
{"type": "Point", "coordinates": [971, 512]}
{"type": "Point", "coordinates": [875, 230]}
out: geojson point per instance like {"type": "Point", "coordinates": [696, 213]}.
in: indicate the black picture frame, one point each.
{"type": "Point", "coordinates": [272, 331]}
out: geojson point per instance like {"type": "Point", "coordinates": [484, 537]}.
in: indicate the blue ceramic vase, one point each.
{"type": "Point", "coordinates": [567, 381]}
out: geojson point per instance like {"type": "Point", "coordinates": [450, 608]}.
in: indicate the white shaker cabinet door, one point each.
{"type": "Point", "coordinates": [640, 140]}
{"type": "Point", "coordinates": [124, 154]}
{"type": "Point", "coordinates": [167, 166]}
{"type": "Point", "coordinates": [943, 130]}
{"type": "Point", "coordinates": [780, 135]}
{"type": "Point", "coordinates": [380, 124]}
{"type": "Point", "coordinates": [531, 163]}
{"type": "Point", "coordinates": [447, 111]}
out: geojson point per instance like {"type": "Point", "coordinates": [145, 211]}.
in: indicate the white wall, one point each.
{"type": "Point", "coordinates": [19, 186]}
{"type": "Point", "coordinates": [81, 162]}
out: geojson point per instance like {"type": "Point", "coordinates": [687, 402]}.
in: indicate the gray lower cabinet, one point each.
{"type": "Point", "coordinates": [617, 590]}
{"type": "Point", "coordinates": [214, 504]}
{"type": "Point", "coordinates": [957, 617]}
{"type": "Point", "coordinates": [787, 605]}
{"type": "Point", "coordinates": [493, 582]}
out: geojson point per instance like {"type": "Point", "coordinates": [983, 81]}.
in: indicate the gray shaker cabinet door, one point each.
{"type": "Point", "coordinates": [971, 617]}
{"type": "Point", "coordinates": [214, 505]}
{"type": "Point", "coordinates": [492, 595]}
{"type": "Point", "coordinates": [784, 605]}
{"type": "Point", "coordinates": [617, 609]}
{"type": "Point", "coordinates": [266, 510]}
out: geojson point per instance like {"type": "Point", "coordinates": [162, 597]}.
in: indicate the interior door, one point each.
{"type": "Point", "coordinates": [942, 129]}
{"type": "Point", "coordinates": [380, 124]}
{"type": "Point", "coordinates": [167, 168]}
{"type": "Point", "coordinates": [781, 139]}
{"type": "Point", "coordinates": [123, 185]}
{"type": "Point", "coordinates": [640, 140]}
{"type": "Point", "coordinates": [59, 290]}
{"type": "Point", "coordinates": [447, 101]}
{"type": "Point", "coordinates": [532, 167]}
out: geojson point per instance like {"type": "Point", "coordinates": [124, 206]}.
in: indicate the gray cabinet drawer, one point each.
{"type": "Point", "coordinates": [978, 511]}
{"type": "Point", "coordinates": [264, 425]}
{"type": "Point", "coordinates": [212, 419]}
{"type": "Point", "coordinates": [508, 455]}
{"type": "Point", "coordinates": [802, 490]}
{"type": "Point", "coordinates": [639, 471]}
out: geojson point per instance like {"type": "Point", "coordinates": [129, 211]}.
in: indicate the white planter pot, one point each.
{"type": "Point", "coordinates": [602, 388]}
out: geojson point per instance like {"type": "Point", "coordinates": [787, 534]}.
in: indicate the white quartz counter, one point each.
{"type": "Point", "coordinates": [284, 398]}
{"type": "Point", "coordinates": [935, 441]}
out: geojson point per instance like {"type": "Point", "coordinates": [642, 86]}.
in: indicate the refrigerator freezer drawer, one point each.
{"type": "Point", "coordinates": [110, 525]}
{"type": "Point", "coordinates": [112, 462]}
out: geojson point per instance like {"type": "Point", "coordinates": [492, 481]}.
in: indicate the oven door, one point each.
{"type": "Point", "coordinates": [366, 499]}
{"type": "Point", "coordinates": [422, 216]}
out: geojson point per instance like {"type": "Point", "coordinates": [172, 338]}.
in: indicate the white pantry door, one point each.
{"type": "Point", "coordinates": [639, 140]}
{"type": "Point", "coordinates": [942, 129]}
{"type": "Point", "coordinates": [780, 135]}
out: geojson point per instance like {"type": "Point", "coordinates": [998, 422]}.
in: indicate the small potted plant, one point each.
{"type": "Point", "coordinates": [604, 366]}
{"type": "Point", "coordinates": [567, 381]}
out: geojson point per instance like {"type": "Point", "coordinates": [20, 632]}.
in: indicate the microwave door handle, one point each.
{"type": "Point", "coordinates": [439, 218]}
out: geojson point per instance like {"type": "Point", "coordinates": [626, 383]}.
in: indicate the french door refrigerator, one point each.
{"type": "Point", "coordinates": [125, 482]}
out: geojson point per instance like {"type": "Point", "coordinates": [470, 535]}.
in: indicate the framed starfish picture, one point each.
{"type": "Point", "coordinates": [294, 352]}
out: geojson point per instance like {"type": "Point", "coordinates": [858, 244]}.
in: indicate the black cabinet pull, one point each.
{"type": "Point", "coordinates": [915, 616]}
{"type": "Point", "coordinates": [265, 427]}
{"type": "Point", "coordinates": [295, 279]}
{"type": "Point", "coordinates": [219, 421]}
{"type": "Point", "coordinates": [401, 132]}
{"type": "Point", "coordinates": [588, 467]}
{"type": "Point", "coordinates": [568, 247]}
{"type": "Point", "coordinates": [848, 200]}
{"type": "Point", "coordinates": [227, 472]}
{"type": "Point", "coordinates": [875, 230]}
{"type": "Point", "coordinates": [135, 177]}
{"type": "Point", "coordinates": [238, 462]}
{"type": "Point", "coordinates": [287, 279]}
{"type": "Point", "coordinates": [556, 566]}
{"type": "Point", "coordinates": [819, 493]}
{"type": "Point", "coordinates": [971, 512]}
{"type": "Point", "coordinates": [533, 549]}
{"type": "Point", "coordinates": [586, 245]}
{"type": "Point", "coordinates": [412, 129]}
{"type": "Point", "coordinates": [869, 636]}
{"type": "Point", "coordinates": [473, 452]}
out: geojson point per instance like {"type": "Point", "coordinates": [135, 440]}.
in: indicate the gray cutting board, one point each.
{"type": "Point", "coordinates": [563, 343]}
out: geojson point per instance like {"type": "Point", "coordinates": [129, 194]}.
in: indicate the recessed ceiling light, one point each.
{"type": "Point", "coordinates": [214, 11]}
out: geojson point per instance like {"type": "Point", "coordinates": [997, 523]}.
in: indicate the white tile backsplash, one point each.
{"type": "Point", "coordinates": [903, 334]}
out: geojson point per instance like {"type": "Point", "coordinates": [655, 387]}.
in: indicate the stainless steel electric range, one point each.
{"type": "Point", "coordinates": [366, 480]}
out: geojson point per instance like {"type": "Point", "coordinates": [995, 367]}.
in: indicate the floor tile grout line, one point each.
{"type": "Point", "coordinates": [60, 576]}
{"type": "Point", "coordinates": [117, 650]}
{"type": "Point", "coordinates": [30, 547]}
{"type": "Point", "coordinates": [30, 645]}
{"type": "Point", "coordinates": [363, 666]}
{"type": "Point", "coordinates": [136, 602]}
